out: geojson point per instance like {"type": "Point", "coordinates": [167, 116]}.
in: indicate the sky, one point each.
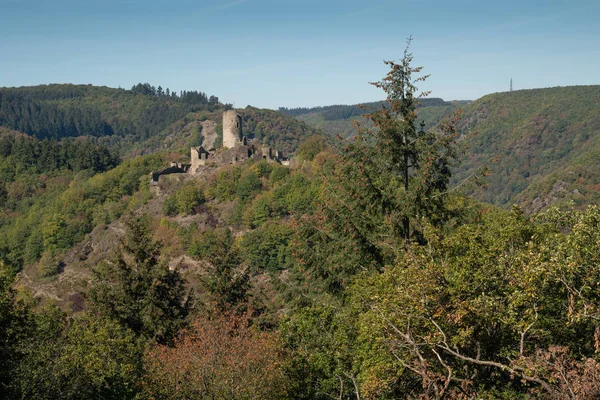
{"type": "Point", "coordinates": [300, 53]}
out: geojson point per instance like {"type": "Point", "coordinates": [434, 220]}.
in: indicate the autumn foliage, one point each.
{"type": "Point", "coordinates": [220, 357]}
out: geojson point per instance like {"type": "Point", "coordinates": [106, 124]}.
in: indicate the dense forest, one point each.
{"type": "Point", "coordinates": [539, 144]}
{"type": "Point", "coordinates": [49, 195]}
{"type": "Point", "coordinates": [57, 111]}
{"type": "Point", "coordinates": [362, 271]}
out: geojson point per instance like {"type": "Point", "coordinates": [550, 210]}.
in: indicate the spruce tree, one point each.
{"type": "Point", "coordinates": [138, 289]}
{"type": "Point", "coordinates": [390, 182]}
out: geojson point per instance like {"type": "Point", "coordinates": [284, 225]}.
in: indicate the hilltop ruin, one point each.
{"type": "Point", "coordinates": [236, 148]}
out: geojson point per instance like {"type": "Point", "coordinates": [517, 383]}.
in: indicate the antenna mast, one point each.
{"type": "Point", "coordinates": [511, 84]}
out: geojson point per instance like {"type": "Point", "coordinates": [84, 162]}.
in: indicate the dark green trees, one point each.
{"type": "Point", "coordinates": [225, 280]}
{"type": "Point", "coordinates": [408, 166]}
{"type": "Point", "coordinates": [13, 318]}
{"type": "Point", "coordinates": [138, 290]}
{"type": "Point", "coordinates": [389, 184]}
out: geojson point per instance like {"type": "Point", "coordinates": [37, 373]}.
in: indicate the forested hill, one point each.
{"type": "Point", "coordinates": [337, 119]}
{"type": "Point", "coordinates": [351, 273]}
{"type": "Point", "coordinates": [135, 121]}
{"type": "Point", "coordinates": [56, 111]}
{"type": "Point", "coordinates": [542, 146]}
{"type": "Point", "coordinates": [57, 137]}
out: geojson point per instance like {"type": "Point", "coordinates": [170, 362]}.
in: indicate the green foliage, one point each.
{"type": "Point", "coordinates": [387, 286]}
{"type": "Point", "coordinates": [68, 208]}
{"type": "Point", "coordinates": [57, 111]}
{"type": "Point", "coordinates": [296, 196]}
{"type": "Point", "coordinates": [312, 146]}
{"type": "Point", "coordinates": [83, 357]}
{"type": "Point", "coordinates": [227, 283]}
{"type": "Point", "coordinates": [48, 265]}
{"type": "Point", "coordinates": [138, 290]}
{"type": "Point", "coordinates": [170, 205]}
{"type": "Point", "coordinates": [266, 248]}
{"type": "Point", "coordinates": [45, 156]}
{"type": "Point", "coordinates": [502, 307]}
{"type": "Point", "coordinates": [291, 195]}
{"type": "Point", "coordinates": [263, 168]}
{"type": "Point", "coordinates": [320, 338]}
{"type": "Point", "coordinates": [248, 185]}
{"type": "Point", "coordinates": [259, 211]}
{"type": "Point", "coordinates": [14, 320]}
{"type": "Point", "coordinates": [53, 232]}
{"type": "Point", "coordinates": [387, 185]}
{"type": "Point", "coordinates": [184, 200]}
{"type": "Point", "coordinates": [339, 120]}
{"type": "Point", "coordinates": [274, 129]}
{"type": "Point", "coordinates": [539, 144]}
{"type": "Point", "coordinates": [224, 189]}
{"type": "Point", "coordinates": [279, 173]}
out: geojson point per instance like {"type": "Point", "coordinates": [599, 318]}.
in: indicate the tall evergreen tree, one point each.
{"type": "Point", "coordinates": [390, 182]}
{"type": "Point", "coordinates": [139, 290]}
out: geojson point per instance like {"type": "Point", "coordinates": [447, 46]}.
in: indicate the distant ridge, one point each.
{"type": "Point", "coordinates": [141, 120]}
{"type": "Point", "coordinates": [542, 145]}
{"type": "Point", "coordinates": [337, 119]}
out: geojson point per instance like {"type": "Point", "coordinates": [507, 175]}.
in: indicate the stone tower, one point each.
{"type": "Point", "coordinates": [232, 129]}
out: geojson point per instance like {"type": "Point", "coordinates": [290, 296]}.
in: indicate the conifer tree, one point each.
{"type": "Point", "coordinates": [391, 181]}
{"type": "Point", "coordinates": [139, 290]}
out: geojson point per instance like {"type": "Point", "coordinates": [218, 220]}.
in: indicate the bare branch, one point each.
{"type": "Point", "coordinates": [522, 343]}
{"type": "Point", "coordinates": [356, 391]}
{"type": "Point", "coordinates": [515, 371]}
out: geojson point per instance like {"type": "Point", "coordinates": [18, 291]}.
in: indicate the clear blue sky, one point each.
{"type": "Point", "coordinates": [272, 53]}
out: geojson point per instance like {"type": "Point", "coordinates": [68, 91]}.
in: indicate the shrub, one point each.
{"type": "Point", "coordinates": [267, 247]}
{"type": "Point", "coordinates": [221, 357]}
{"type": "Point", "coordinates": [188, 198]}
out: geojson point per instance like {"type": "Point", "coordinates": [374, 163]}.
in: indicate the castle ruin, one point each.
{"type": "Point", "coordinates": [232, 129]}
{"type": "Point", "coordinates": [236, 148]}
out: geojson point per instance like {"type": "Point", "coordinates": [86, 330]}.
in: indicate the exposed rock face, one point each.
{"type": "Point", "coordinates": [232, 129]}
{"type": "Point", "coordinates": [209, 132]}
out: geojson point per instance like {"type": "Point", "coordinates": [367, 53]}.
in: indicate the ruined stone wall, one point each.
{"type": "Point", "coordinates": [198, 157]}
{"type": "Point", "coordinates": [194, 158]}
{"type": "Point", "coordinates": [175, 168]}
{"type": "Point", "coordinates": [232, 129]}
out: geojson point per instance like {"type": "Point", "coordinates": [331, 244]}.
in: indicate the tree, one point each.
{"type": "Point", "coordinates": [225, 280]}
{"type": "Point", "coordinates": [389, 184]}
{"type": "Point", "coordinates": [188, 198]}
{"type": "Point", "coordinates": [79, 357]}
{"type": "Point", "coordinates": [411, 167]}
{"type": "Point", "coordinates": [500, 308]}
{"type": "Point", "coordinates": [309, 148]}
{"type": "Point", "coordinates": [14, 320]}
{"type": "Point", "coordinates": [221, 357]}
{"type": "Point", "coordinates": [139, 290]}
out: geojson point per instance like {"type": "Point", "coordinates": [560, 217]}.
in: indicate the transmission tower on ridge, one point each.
{"type": "Point", "coordinates": [511, 84]}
